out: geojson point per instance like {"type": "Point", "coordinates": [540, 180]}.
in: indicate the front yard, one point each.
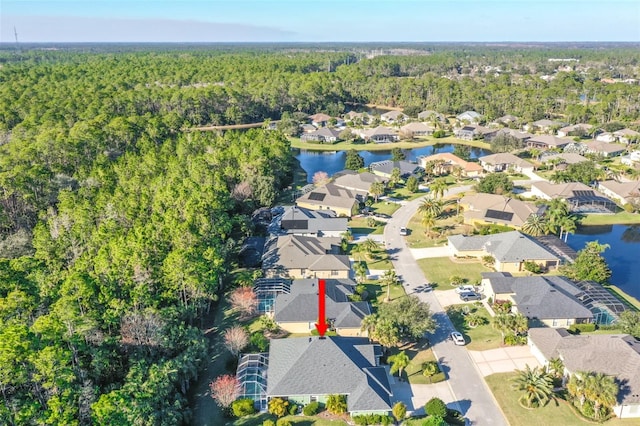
{"type": "Point", "coordinates": [440, 269]}
{"type": "Point", "coordinates": [258, 419]}
{"type": "Point", "coordinates": [554, 413]}
{"type": "Point", "coordinates": [418, 353]}
{"type": "Point", "coordinates": [480, 338]}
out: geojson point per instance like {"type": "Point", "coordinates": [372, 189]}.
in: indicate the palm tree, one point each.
{"type": "Point", "coordinates": [398, 362]}
{"type": "Point", "coordinates": [360, 269]}
{"type": "Point", "coordinates": [555, 368]}
{"type": "Point", "coordinates": [577, 386]}
{"type": "Point", "coordinates": [438, 187]}
{"type": "Point", "coordinates": [567, 226]}
{"type": "Point", "coordinates": [431, 206]}
{"type": "Point", "coordinates": [376, 189]}
{"type": "Point", "coordinates": [428, 221]}
{"type": "Point", "coordinates": [390, 278]}
{"type": "Point", "coordinates": [536, 384]}
{"type": "Point", "coordinates": [602, 390]}
{"type": "Point", "coordinates": [475, 319]}
{"type": "Point", "coordinates": [369, 246]}
{"type": "Point", "coordinates": [501, 322]}
{"type": "Point", "coordinates": [535, 225]}
{"type": "Point", "coordinates": [359, 252]}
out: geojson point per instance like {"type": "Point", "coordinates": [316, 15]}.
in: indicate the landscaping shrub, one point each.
{"type": "Point", "coordinates": [514, 340]}
{"type": "Point", "coordinates": [436, 407]}
{"type": "Point", "coordinates": [399, 411]}
{"type": "Point", "coordinates": [283, 422]}
{"type": "Point", "coordinates": [268, 422]}
{"type": "Point", "coordinates": [293, 409]}
{"type": "Point", "coordinates": [259, 342]}
{"type": "Point", "coordinates": [372, 419]}
{"type": "Point", "coordinates": [243, 407]}
{"type": "Point", "coordinates": [455, 418]}
{"type": "Point", "coordinates": [437, 378]}
{"type": "Point", "coordinates": [311, 409]}
{"type": "Point", "coordinates": [337, 404]}
{"type": "Point", "coordinates": [434, 421]}
{"type": "Point", "coordinates": [439, 134]}
{"type": "Point", "coordinates": [430, 368]}
{"type": "Point", "coordinates": [582, 328]}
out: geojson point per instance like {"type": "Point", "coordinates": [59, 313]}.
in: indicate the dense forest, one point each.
{"type": "Point", "coordinates": [118, 225]}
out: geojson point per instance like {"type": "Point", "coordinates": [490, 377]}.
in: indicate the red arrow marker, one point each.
{"type": "Point", "coordinates": [321, 325]}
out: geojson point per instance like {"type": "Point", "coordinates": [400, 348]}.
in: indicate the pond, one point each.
{"type": "Point", "coordinates": [623, 256]}
{"type": "Point", "coordinates": [333, 161]}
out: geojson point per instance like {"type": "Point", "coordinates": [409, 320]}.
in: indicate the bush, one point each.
{"type": "Point", "coordinates": [434, 421]}
{"type": "Point", "coordinates": [259, 341]}
{"type": "Point", "coordinates": [293, 409]}
{"type": "Point", "coordinates": [532, 267]}
{"type": "Point", "coordinates": [243, 407]}
{"type": "Point", "coordinates": [436, 407]}
{"type": "Point", "coordinates": [337, 404]}
{"type": "Point", "coordinates": [430, 368]}
{"type": "Point", "coordinates": [582, 328]}
{"type": "Point", "coordinates": [372, 419]}
{"type": "Point", "coordinates": [514, 340]}
{"type": "Point", "coordinates": [437, 378]}
{"type": "Point", "coordinates": [399, 411]}
{"type": "Point", "coordinates": [283, 422]}
{"type": "Point", "coordinates": [311, 409]}
{"type": "Point", "coordinates": [268, 422]}
{"type": "Point", "coordinates": [439, 134]}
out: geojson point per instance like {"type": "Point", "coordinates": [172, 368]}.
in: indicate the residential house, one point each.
{"type": "Point", "coordinates": [627, 136]}
{"type": "Point", "coordinates": [507, 120]}
{"type": "Point", "coordinates": [323, 135]}
{"type": "Point", "coordinates": [385, 168]}
{"type": "Point", "coordinates": [604, 149]}
{"type": "Point", "coordinates": [616, 355]}
{"type": "Point", "coordinates": [416, 129]}
{"type": "Point", "coordinates": [566, 158]}
{"type": "Point", "coordinates": [581, 198]}
{"type": "Point", "coordinates": [362, 117]}
{"type": "Point", "coordinates": [503, 162]}
{"type": "Point", "coordinates": [547, 301]}
{"type": "Point", "coordinates": [393, 117]}
{"type": "Point", "coordinates": [344, 202]}
{"type": "Point", "coordinates": [307, 128]}
{"type": "Point", "coordinates": [485, 209]}
{"type": "Point", "coordinates": [448, 162]}
{"type": "Point", "coordinates": [380, 134]}
{"type": "Point", "coordinates": [315, 223]}
{"type": "Point", "coordinates": [473, 132]}
{"type": "Point", "coordinates": [430, 115]}
{"type": "Point", "coordinates": [306, 369]}
{"type": "Point", "coordinates": [510, 250]}
{"type": "Point", "coordinates": [632, 159]}
{"type": "Point", "coordinates": [547, 142]}
{"type": "Point", "coordinates": [579, 129]}
{"type": "Point", "coordinates": [521, 137]}
{"type": "Point", "coordinates": [296, 256]}
{"type": "Point", "coordinates": [545, 126]}
{"type": "Point", "coordinates": [297, 311]}
{"type": "Point", "coordinates": [320, 119]}
{"type": "Point", "coordinates": [607, 137]}
{"type": "Point", "coordinates": [622, 192]}
{"type": "Point", "coordinates": [469, 116]}
{"type": "Point", "coordinates": [359, 182]}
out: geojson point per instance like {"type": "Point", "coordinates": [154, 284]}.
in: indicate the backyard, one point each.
{"type": "Point", "coordinates": [554, 413]}
{"type": "Point", "coordinates": [439, 270]}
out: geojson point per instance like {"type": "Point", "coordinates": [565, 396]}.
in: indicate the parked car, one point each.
{"type": "Point", "coordinates": [404, 231]}
{"type": "Point", "coordinates": [465, 289]}
{"type": "Point", "coordinates": [381, 216]}
{"type": "Point", "coordinates": [470, 295]}
{"type": "Point", "coordinates": [457, 338]}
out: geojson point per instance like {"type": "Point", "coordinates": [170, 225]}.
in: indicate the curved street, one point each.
{"type": "Point", "coordinates": [471, 394]}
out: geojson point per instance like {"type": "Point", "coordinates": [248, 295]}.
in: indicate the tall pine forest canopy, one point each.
{"type": "Point", "coordinates": [119, 224]}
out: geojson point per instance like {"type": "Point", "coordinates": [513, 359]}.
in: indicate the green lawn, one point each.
{"type": "Point", "coordinates": [256, 420]}
{"type": "Point", "coordinates": [439, 269]}
{"type": "Point", "coordinates": [481, 338]}
{"type": "Point", "coordinates": [360, 225]}
{"type": "Point", "coordinates": [385, 207]}
{"type": "Point", "coordinates": [553, 413]}
{"type": "Point", "coordinates": [405, 194]}
{"type": "Point", "coordinates": [632, 301]}
{"type": "Point", "coordinates": [449, 224]}
{"type": "Point", "coordinates": [378, 292]}
{"type": "Point", "coordinates": [623, 218]}
{"type": "Point", "coordinates": [419, 353]}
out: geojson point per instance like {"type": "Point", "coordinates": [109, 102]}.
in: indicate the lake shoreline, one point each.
{"type": "Point", "coordinates": [420, 143]}
{"type": "Point", "coordinates": [621, 218]}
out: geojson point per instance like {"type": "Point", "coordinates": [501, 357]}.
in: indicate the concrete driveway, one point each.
{"type": "Point", "coordinates": [503, 360]}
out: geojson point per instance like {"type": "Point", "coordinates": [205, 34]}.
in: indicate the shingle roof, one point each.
{"type": "Point", "coordinates": [481, 206]}
{"type": "Point", "coordinates": [612, 354]}
{"type": "Point", "coordinates": [567, 157]}
{"type": "Point", "coordinates": [622, 189]}
{"type": "Point", "coordinates": [387, 166]}
{"type": "Point", "coordinates": [604, 147]}
{"type": "Point", "coordinates": [563, 190]}
{"type": "Point", "coordinates": [358, 181]}
{"type": "Point", "coordinates": [301, 252]}
{"type": "Point", "coordinates": [301, 305]}
{"type": "Point", "coordinates": [550, 140]}
{"type": "Point", "coordinates": [549, 297]}
{"type": "Point", "coordinates": [301, 220]}
{"type": "Point", "coordinates": [333, 365]}
{"type": "Point", "coordinates": [334, 196]}
{"type": "Point", "coordinates": [506, 158]}
{"type": "Point", "coordinates": [416, 127]}
{"type": "Point", "coordinates": [505, 247]}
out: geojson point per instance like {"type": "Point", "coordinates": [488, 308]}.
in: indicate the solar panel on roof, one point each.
{"type": "Point", "coordinates": [583, 193]}
{"type": "Point", "coordinates": [295, 224]}
{"type": "Point", "coordinates": [317, 196]}
{"type": "Point", "coordinates": [497, 214]}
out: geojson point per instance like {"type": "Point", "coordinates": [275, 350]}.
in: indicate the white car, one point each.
{"type": "Point", "coordinates": [457, 338]}
{"type": "Point", "coordinates": [465, 289]}
{"type": "Point", "coordinates": [403, 231]}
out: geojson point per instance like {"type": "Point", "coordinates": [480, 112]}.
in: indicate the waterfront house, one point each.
{"type": "Point", "coordinates": [483, 209]}
{"type": "Point", "coordinates": [322, 135]}
{"type": "Point", "coordinates": [416, 129]}
{"type": "Point", "coordinates": [448, 162]}
{"type": "Point", "coordinates": [358, 182]}
{"type": "Point", "coordinates": [385, 168]}
{"type": "Point", "coordinates": [580, 197]}
{"type": "Point", "coordinates": [504, 161]}
{"type": "Point", "coordinates": [547, 142]}
{"type": "Point", "coordinates": [380, 134]}
{"type": "Point", "coordinates": [622, 192]}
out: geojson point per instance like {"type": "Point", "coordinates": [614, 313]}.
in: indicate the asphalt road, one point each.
{"type": "Point", "coordinates": [473, 397]}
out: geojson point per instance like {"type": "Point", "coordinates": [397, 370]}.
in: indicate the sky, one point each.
{"type": "Point", "coordinates": [318, 21]}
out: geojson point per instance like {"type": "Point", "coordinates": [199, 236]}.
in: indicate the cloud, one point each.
{"type": "Point", "coordinates": [79, 29]}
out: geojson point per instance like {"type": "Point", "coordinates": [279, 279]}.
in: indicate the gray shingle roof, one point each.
{"type": "Point", "coordinates": [301, 220]}
{"type": "Point", "coordinates": [387, 166]}
{"type": "Point", "coordinates": [505, 247]}
{"type": "Point", "coordinates": [301, 252]}
{"type": "Point", "coordinates": [357, 181]}
{"type": "Point", "coordinates": [612, 354]}
{"type": "Point", "coordinates": [334, 365]}
{"type": "Point", "coordinates": [302, 303]}
{"type": "Point", "coordinates": [334, 196]}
